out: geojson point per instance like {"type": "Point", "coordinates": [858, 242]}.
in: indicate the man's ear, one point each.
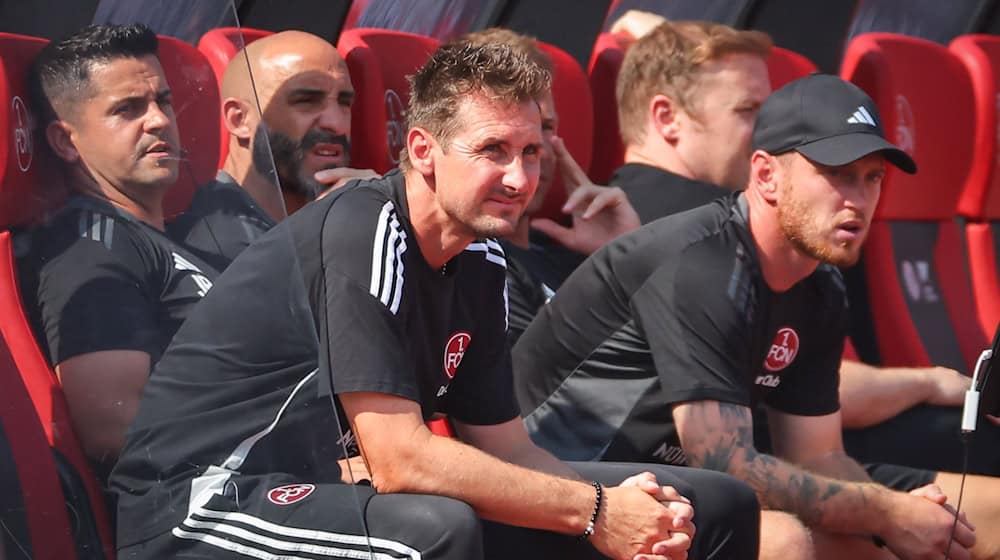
{"type": "Point", "coordinates": [60, 136]}
{"type": "Point", "coordinates": [765, 175]}
{"type": "Point", "coordinates": [420, 150]}
{"type": "Point", "coordinates": [663, 116]}
{"type": "Point", "coordinates": [238, 118]}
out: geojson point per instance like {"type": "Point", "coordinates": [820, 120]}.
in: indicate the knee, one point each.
{"type": "Point", "coordinates": [434, 512]}
{"type": "Point", "coordinates": [783, 536]}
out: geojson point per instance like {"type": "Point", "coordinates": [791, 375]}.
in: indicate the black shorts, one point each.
{"type": "Point", "coordinates": [274, 515]}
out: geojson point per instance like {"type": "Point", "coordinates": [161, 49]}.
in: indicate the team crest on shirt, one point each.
{"type": "Point", "coordinates": [783, 350]}
{"type": "Point", "coordinates": [454, 351]}
{"type": "Point", "coordinates": [289, 494]}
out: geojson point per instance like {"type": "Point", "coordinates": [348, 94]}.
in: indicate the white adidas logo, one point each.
{"type": "Point", "coordinates": [862, 116]}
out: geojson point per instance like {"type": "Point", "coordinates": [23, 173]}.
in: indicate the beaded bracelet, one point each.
{"type": "Point", "coordinates": [589, 531]}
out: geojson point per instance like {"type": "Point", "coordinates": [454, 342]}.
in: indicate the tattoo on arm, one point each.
{"type": "Point", "coordinates": [721, 439]}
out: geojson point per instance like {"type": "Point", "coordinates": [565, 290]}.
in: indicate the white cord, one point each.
{"type": "Point", "coordinates": [970, 412]}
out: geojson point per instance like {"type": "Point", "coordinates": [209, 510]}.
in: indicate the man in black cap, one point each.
{"type": "Point", "coordinates": [694, 319]}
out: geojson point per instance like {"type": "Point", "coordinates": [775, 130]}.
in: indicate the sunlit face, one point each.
{"type": "Point", "coordinates": [824, 211]}
{"type": "Point", "coordinates": [487, 173]}
{"type": "Point", "coordinates": [547, 160]}
{"type": "Point", "coordinates": [125, 132]}
{"type": "Point", "coordinates": [308, 120]}
{"type": "Point", "coordinates": [716, 130]}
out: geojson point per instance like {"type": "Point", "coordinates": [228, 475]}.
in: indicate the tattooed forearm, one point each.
{"type": "Point", "coordinates": [719, 436]}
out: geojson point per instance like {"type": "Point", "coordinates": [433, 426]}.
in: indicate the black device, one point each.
{"type": "Point", "coordinates": [989, 383]}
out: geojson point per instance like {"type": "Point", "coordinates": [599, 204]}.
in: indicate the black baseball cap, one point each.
{"type": "Point", "coordinates": [826, 119]}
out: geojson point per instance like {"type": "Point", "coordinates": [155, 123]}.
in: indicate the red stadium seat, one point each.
{"type": "Point", "coordinates": [571, 94]}
{"type": "Point", "coordinates": [196, 104]}
{"type": "Point", "coordinates": [31, 184]}
{"type": "Point", "coordinates": [783, 66]}
{"type": "Point", "coordinates": [48, 528]}
{"type": "Point", "coordinates": [219, 47]}
{"type": "Point", "coordinates": [379, 61]}
{"type": "Point", "coordinates": [980, 200]}
{"type": "Point", "coordinates": [919, 295]}
{"type": "Point", "coordinates": [608, 153]}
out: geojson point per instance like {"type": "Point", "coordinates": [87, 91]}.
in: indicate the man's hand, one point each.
{"type": "Point", "coordinates": [340, 176]}
{"type": "Point", "coordinates": [947, 386]}
{"type": "Point", "coordinates": [919, 527]}
{"type": "Point", "coordinates": [675, 547]}
{"type": "Point", "coordinates": [600, 214]}
{"type": "Point", "coordinates": [353, 470]}
{"type": "Point", "coordinates": [634, 25]}
{"type": "Point", "coordinates": [633, 526]}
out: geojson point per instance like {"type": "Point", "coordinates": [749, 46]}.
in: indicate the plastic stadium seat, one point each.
{"type": "Point", "coordinates": [30, 186]}
{"type": "Point", "coordinates": [783, 66]}
{"type": "Point", "coordinates": [919, 295]}
{"type": "Point", "coordinates": [196, 105]}
{"type": "Point", "coordinates": [980, 201]}
{"type": "Point", "coordinates": [571, 94]}
{"type": "Point", "coordinates": [379, 61]}
{"type": "Point", "coordinates": [48, 533]}
{"type": "Point", "coordinates": [219, 46]}
{"type": "Point", "coordinates": [608, 153]}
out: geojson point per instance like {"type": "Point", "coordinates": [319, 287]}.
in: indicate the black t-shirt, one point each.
{"type": "Point", "coordinates": [676, 311]}
{"type": "Point", "coordinates": [221, 221]}
{"type": "Point", "coordinates": [656, 193]}
{"type": "Point", "coordinates": [526, 293]}
{"type": "Point", "coordinates": [96, 278]}
{"type": "Point", "coordinates": [336, 298]}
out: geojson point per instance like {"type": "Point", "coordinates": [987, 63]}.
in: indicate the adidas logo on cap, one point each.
{"type": "Point", "coordinates": [861, 116]}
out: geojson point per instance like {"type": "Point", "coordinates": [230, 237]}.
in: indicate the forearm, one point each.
{"type": "Point", "coordinates": [496, 489]}
{"type": "Point", "coordinates": [837, 506]}
{"type": "Point", "coordinates": [839, 466]}
{"type": "Point", "coordinates": [870, 395]}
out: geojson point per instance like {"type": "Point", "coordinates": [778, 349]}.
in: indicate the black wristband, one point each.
{"type": "Point", "coordinates": [589, 531]}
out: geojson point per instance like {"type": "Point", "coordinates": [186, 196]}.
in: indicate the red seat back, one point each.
{"type": "Point", "coordinates": [571, 94]}
{"type": "Point", "coordinates": [919, 293]}
{"type": "Point", "coordinates": [30, 181]}
{"type": "Point", "coordinates": [44, 391]}
{"type": "Point", "coordinates": [196, 104]}
{"type": "Point", "coordinates": [379, 61]}
{"type": "Point", "coordinates": [608, 153]}
{"type": "Point", "coordinates": [980, 200]}
{"type": "Point", "coordinates": [219, 46]}
{"type": "Point", "coordinates": [784, 66]}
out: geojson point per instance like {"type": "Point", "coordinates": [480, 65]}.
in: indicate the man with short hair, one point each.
{"type": "Point", "coordinates": [694, 319]}
{"type": "Point", "coordinates": [286, 102]}
{"type": "Point", "coordinates": [687, 94]}
{"type": "Point", "coordinates": [347, 326]}
{"type": "Point", "coordinates": [104, 287]}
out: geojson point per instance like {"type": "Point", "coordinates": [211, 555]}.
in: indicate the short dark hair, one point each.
{"type": "Point", "coordinates": [60, 74]}
{"type": "Point", "coordinates": [461, 68]}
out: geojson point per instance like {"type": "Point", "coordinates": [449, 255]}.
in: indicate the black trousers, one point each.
{"type": "Point", "coordinates": [327, 522]}
{"type": "Point", "coordinates": [927, 437]}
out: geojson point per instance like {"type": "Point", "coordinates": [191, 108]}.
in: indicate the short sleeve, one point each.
{"type": "Point", "coordinates": [483, 391]}
{"type": "Point", "coordinates": [92, 299]}
{"type": "Point", "coordinates": [363, 346]}
{"type": "Point", "coordinates": [696, 325]}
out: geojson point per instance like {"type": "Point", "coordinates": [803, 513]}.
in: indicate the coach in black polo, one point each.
{"type": "Point", "coordinates": [348, 325]}
{"type": "Point", "coordinates": [660, 344]}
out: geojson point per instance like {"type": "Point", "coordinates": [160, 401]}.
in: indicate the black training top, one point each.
{"type": "Point", "coordinates": [675, 311]}
{"type": "Point", "coordinates": [96, 278]}
{"type": "Point", "coordinates": [221, 221]}
{"type": "Point", "coordinates": [345, 271]}
{"type": "Point", "coordinates": [656, 193]}
{"type": "Point", "coordinates": [526, 292]}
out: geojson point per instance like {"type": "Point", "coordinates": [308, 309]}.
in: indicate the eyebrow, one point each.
{"type": "Point", "coordinates": [344, 95]}
{"type": "Point", "coordinates": [163, 93]}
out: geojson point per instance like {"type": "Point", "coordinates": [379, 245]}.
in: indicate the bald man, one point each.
{"type": "Point", "coordinates": [304, 93]}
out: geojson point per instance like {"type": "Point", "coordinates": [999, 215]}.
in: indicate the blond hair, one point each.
{"type": "Point", "coordinates": [669, 60]}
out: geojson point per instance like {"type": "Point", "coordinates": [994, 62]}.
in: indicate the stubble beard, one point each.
{"type": "Point", "coordinates": [794, 218]}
